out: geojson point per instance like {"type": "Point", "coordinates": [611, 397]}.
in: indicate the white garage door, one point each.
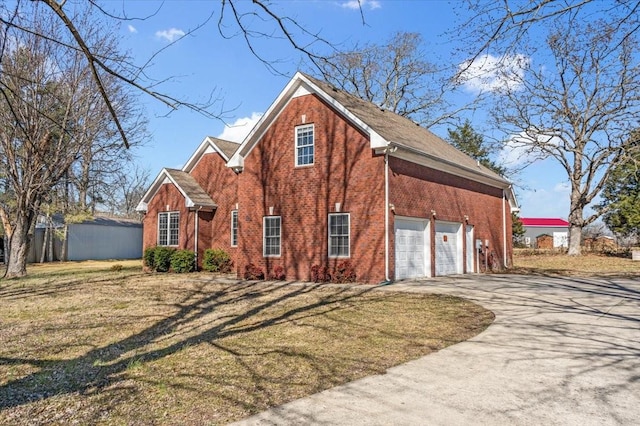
{"type": "Point", "coordinates": [448, 248]}
{"type": "Point", "coordinates": [411, 248]}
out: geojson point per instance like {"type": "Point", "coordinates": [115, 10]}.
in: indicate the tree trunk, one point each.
{"type": "Point", "coordinates": [19, 249]}
{"type": "Point", "coordinates": [63, 255]}
{"type": "Point", "coordinates": [43, 253]}
{"type": "Point", "coordinates": [576, 223]}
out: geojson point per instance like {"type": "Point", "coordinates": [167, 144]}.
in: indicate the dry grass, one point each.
{"type": "Point", "coordinates": [90, 345]}
{"type": "Point", "coordinates": [589, 264]}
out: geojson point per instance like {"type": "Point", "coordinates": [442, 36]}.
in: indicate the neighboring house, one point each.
{"type": "Point", "coordinates": [600, 243]}
{"type": "Point", "coordinates": [325, 177]}
{"type": "Point", "coordinates": [557, 229]}
{"type": "Point", "coordinates": [99, 238]}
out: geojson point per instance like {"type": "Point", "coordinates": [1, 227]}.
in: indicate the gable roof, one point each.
{"type": "Point", "coordinates": [387, 131]}
{"type": "Point", "coordinates": [544, 222]}
{"type": "Point", "coordinates": [401, 132]}
{"type": "Point", "coordinates": [210, 145]}
{"type": "Point", "coordinates": [194, 195]}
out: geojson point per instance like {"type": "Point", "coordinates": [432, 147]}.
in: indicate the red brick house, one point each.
{"type": "Point", "coordinates": [325, 177]}
{"type": "Point", "coordinates": [177, 197]}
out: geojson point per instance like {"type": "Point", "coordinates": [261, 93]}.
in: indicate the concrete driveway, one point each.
{"type": "Point", "coordinates": [561, 351]}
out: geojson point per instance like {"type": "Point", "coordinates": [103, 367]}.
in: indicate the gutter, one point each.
{"type": "Point", "coordinates": [495, 182]}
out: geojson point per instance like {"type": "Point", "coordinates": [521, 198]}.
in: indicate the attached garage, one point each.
{"type": "Point", "coordinates": [412, 248]}
{"type": "Point", "coordinates": [448, 248]}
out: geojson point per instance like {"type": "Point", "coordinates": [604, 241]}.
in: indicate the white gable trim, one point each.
{"type": "Point", "coordinates": [298, 86]}
{"type": "Point", "coordinates": [163, 178]}
{"type": "Point", "coordinates": [207, 146]}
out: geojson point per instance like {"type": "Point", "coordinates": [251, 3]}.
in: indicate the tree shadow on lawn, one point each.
{"type": "Point", "coordinates": [100, 368]}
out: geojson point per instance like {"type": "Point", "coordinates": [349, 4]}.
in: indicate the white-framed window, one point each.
{"type": "Point", "coordinates": [168, 228]}
{"type": "Point", "coordinates": [304, 145]}
{"type": "Point", "coordinates": [339, 228]}
{"type": "Point", "coordinates": [234, 228]}
{"type": "Point", "coordinates": [271, 236]}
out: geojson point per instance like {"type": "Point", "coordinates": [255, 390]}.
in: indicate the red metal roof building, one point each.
{"type": "Point", "coordinates": [544, 222]}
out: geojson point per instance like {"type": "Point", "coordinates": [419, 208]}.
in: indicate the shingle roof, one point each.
{"type": "Point", "coordinates": [191, 188]}
{"type": "Point", "coordinates": [402, 131]}
{"type": "Point", "coordinates": [227, 147]}
{"type": "Point", "coordinates": [544, 222]}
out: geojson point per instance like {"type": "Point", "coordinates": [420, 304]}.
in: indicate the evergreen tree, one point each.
{"type": "Point", "coordinates": [621, 199]}
{"type": "Point", "coordinates": [472, 143]}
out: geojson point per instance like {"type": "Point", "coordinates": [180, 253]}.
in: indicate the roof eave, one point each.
{"type": "Point", "coordinates": [422, 158]}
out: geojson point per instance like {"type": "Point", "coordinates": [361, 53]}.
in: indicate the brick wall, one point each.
{"type": "Point", "coordinates": [415, 191]}
{"type": "Point", "coordinates": [168, 199]}
{"type": "Point", "coordinates": [345, 171]}
{"type": "Point", "coordinates": [214, 228]}
{"type": "Point", "coordinates": [221, 183]}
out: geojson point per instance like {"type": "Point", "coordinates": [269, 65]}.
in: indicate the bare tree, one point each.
{"type": "Point", "coordinates": [48, 113]}
{"type": "Point", "coordinates": [393, 75]}
{"type": "Point", "coordinates": [126, 190]}
{"type": "Point", "coordinates": [577, 106]}
{"type": "Point", "coordinates": [502, 28]}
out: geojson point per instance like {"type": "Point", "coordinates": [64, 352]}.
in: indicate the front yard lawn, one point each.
{"type": "Point", "coordinates": [97, 346]}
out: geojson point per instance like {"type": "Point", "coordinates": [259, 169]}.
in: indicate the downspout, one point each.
{"type": "Point", "coordinates": [504, 230]}
{"type": "Point", "coordinates": [386, 215]}
{"type": "Point", "coordinates": [196, 235]}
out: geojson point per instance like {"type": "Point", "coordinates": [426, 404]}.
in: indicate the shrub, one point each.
{"type": "Point", "coordinates": [217, 260]}
{"type": "Point", "coordinates": [320, 274]}
{"type": "Point", "coordinates": [162, 258]}
{"type": "Point", "coordinates": [148, 257]}
{"type": "Point", "coordinates": [344, 272]}
{"type": "Point", "coordinates": [117, 267]}
{"type": "Point", "coordinates": [252, 272]}
{"type": "Point", "coordinates": [183, 261]}
{"type": "Point", "coordinates": [277, 274]}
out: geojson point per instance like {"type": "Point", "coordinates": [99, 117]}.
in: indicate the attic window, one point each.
{"type": "Point", "coordinates": [304, 145]}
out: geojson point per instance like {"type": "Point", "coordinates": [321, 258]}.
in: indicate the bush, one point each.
{"type": "Point", "coordinates": [252, 272]}
{"type": "Point", "coordinates": [148, 258]}
{"type": "Point", "coordinates": [277, 274]}
{"type": "Point", "coordinates": [217, 260]}
{"type": "Point", "coordinates": [183, 261]}
{"type": "Point", "coordinates": [320, 274]}
{"type": "Point", "coordinates": [344, 272]}
{"type": "Point", "coordinates": [162, 258]}
{"type": "Point", "coordinates": [117, 267]}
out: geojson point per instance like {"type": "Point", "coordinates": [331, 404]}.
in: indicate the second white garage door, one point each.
{"type": "Point", "coordinates": [448, 248]}
{"type": "Point", "coordinates": [411, 248]}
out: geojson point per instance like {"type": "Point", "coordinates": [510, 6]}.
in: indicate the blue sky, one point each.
{"type": "Point", "coordinates": [205, 63]}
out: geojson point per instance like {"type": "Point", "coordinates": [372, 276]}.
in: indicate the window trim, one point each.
{"type": "Point", "coordinates": [264, 236]}
{"type": "Point", "coordinates": [169, 215]}
{"type": "Point", "coordinates": [234, 235]}
{"type": "Point", "coordinates": [329, 235]}
{"type": "Point", "coordinates": [297, 148]}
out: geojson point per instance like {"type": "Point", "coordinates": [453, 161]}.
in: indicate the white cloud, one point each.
{"type": "Point", "coordinates": [562, 188]}
{"type": "Point", "coordinates": [132, 29]}
{"type": "Point", "coordinates": [239, 129]}
{"type": "Point", "coordinates": [355, 4]}
{"type": "Point", "coordinates": [170, 35]}
{"type": "Point", "coordinates": [492, 74]}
